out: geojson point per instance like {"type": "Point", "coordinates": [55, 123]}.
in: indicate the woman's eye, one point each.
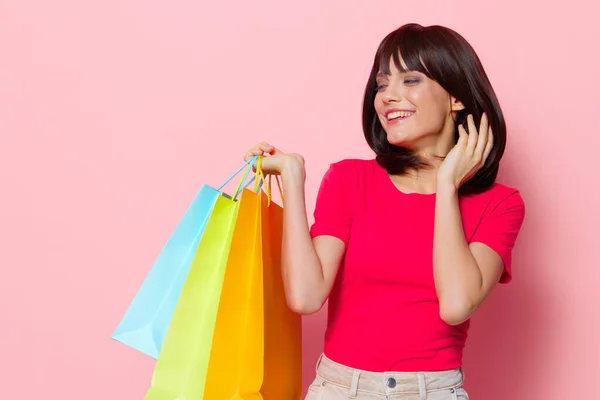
{"type": "Point", "coordinates": [411, 81]}
{"type": "Point", "coordinates": [380, 86]}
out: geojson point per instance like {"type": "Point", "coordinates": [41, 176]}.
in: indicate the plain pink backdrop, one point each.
{"type": "Point", "coordinates": [113, 113]}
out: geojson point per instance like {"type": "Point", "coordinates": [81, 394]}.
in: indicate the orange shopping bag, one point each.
{"type": "Point", "coordinates": [283, 327]}
{"type": "Point", "coordinates": [256, 350]}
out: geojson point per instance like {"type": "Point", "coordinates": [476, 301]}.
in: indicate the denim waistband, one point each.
{"type": "Point", "coordinates": [388, 383]}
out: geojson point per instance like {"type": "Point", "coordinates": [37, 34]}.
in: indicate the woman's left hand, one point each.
{"type": "Point", "coordinates": [468, 155]}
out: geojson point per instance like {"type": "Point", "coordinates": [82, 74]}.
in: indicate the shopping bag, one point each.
{"type": "Point", "coordinates": [181, 368]}
{"type": "Point", "coordinates": [256, 351]}
{"type": "Point", "coordinates": [145, 323]}
{"type": "Point", "coordinates": [236, 363]}
{"type": "Point", "coordinates": [283, 327]}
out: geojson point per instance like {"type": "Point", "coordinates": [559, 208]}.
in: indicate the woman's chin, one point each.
{"type": "Point", "coordinates": [398, 140]}
{"type": "Point", "coordinates": [412, 141]}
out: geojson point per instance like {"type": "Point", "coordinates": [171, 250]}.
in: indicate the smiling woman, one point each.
{"type": "Point", "coordinates": [424, 232]}
{"type": "Point", "coordinates": [431, 73]}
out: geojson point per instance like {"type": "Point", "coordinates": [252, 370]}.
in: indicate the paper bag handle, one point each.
{"type": "Point", "coordinates": [248, 166]}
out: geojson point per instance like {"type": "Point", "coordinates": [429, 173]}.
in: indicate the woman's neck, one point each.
{"type": "Point", "coordinates": [421, 180]}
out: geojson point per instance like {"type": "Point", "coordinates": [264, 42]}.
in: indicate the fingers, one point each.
{"type": "Point", "coordinates": [259, 150]}
{"type": "Point", "coordinates": [489, 145]}
{"type": "Point", "coordinates": [463, 137]}
{"type": "Point", "coordinates": [473, 135]}
{"type": "Point", "coordinates": [482, 139]}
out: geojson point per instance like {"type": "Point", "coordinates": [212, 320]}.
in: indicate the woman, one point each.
{"type": "Point", "coordinates": [407, 246]}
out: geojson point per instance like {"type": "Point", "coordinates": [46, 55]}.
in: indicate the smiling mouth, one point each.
{"type": "Point", "coordinates": [397, 116]}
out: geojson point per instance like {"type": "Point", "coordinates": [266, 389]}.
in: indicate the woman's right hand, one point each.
{"type": "Point", "coordinates": [275, 161]}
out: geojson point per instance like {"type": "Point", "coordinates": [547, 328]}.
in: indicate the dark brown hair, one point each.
{"type": "Point", "coordinates": [446, 57]}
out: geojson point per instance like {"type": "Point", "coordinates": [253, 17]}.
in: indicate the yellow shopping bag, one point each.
{"type": "Point", "coordinates": [236, 366]}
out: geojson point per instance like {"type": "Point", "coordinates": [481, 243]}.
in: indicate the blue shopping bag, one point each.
{"type": "Point", "coordinates": [146, 321]}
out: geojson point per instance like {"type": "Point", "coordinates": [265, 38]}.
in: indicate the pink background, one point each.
{"type": "Point", "coordinates": [113, 113]}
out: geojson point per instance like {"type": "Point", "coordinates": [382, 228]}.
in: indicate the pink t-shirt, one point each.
{"type": "Point", "coordinates": [383, 309]}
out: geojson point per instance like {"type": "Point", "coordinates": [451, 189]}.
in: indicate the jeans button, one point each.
{"type": "Point", "coordinates": [391, 383]}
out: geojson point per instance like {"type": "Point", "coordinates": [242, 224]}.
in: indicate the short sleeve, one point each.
{"type": "Point", "coordinates": [332, 209]}
{"type": "Point", "coordinates": [499, 228]}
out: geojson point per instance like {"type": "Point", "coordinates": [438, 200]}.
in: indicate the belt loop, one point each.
{"type": "Point", "coordinates": [354, 386]}
{"type": "Point", "coordinates": [319, 362]}
{"type": "Point", "coordinates": [422, 386]}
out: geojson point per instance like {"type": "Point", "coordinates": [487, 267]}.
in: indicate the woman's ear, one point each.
{"type": "Point", "coordinates": [456, 105]}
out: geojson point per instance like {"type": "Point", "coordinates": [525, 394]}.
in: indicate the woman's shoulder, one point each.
{"type": "Point", "coordinates": [355, 165]}
{"type": "Point", "coordinates": [502, 190]}
{"type": "Point", "coordinates": [353, 171]}
{"type": "Point", "coordinates": [500, 194]}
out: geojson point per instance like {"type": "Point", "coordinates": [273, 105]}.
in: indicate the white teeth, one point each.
{"type": "Point", "coordinates": [399, 114]}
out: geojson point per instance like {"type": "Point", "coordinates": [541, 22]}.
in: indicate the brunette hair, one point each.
{"type": "Point", "coordinates": [446, 57]}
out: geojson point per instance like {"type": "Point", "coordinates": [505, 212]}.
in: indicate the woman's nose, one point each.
{"type": "Point", "coordinates": [392, 94]}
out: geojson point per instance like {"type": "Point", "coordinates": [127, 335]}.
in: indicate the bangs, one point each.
{"type": "Point", "coordinates": [409, 50]}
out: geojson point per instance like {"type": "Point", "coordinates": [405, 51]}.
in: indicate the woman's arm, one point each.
{"type": "Point", "coordinates": [309, 265]}
{"type": "Point", "coordinates": [464, 275]}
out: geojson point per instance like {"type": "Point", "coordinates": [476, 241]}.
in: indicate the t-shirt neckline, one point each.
{"type": "Point", "coordinates": [390, 184]}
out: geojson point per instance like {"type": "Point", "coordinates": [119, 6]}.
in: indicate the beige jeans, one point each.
{"type": "Point", "coordinates": [335, 382]}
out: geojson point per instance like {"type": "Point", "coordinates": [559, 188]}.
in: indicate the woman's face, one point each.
{"type": "Point", "coordinates": [415, 111]}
